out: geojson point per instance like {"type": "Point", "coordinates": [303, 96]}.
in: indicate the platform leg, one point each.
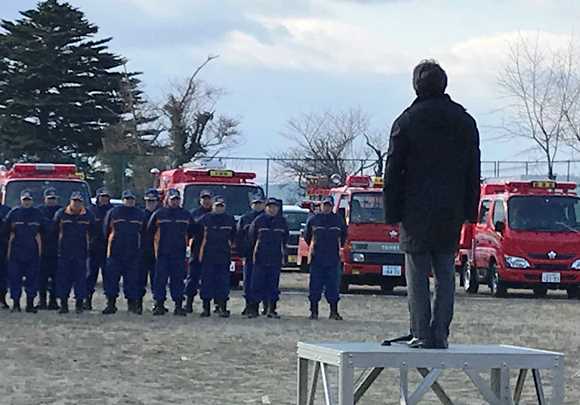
{"type": "Point", "coordinates": [345, 382]}
{"type": "Point", "coordinates": [366, 383]}
{"type": "Point", "coordinates": [539, 386]}
{"type": "Point", "coordinates": [404, 389]}
{"type": "Point", "coordinates": [302, 381]}
{"type": "Point", "coordinates": [436, 388]}
{"type": "Point", "coordinates": [313, 384]}
{"type": "Point", "coordinates": [558, 381]}
{"type": "Point", "coordinates": [500, 385]}
{"type": "Point", "coordinates": [520, 386]}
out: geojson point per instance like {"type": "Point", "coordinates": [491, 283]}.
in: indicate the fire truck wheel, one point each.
{"type": "Point", "coordinates": [387, 287]}
{"type": "Point", "coordinates": [573, 292]}
{"type": "Point", "coordinates": [470, 279]}
{"type": "Point", "coordinates": [540, 292]}
{"type": "Point", "coordinates": [495, 285]}
{"type": "Point", "coordinates": [304, 265]}
{"type": "Point", "coordinates": [235, 283]}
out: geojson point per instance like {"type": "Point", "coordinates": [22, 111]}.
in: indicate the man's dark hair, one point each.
{"type": "Point", "coordinates": [429, 79]}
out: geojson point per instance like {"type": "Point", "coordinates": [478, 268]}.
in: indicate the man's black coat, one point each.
{"type": "Point", "coordinates": [432, 174]}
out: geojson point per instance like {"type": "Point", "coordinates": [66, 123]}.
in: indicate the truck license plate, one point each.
{"type": "Point", "coordinates": [232, 267]}
{"type": "Point", "coordinates": [292, 259]}
{"type": "Point", "coordinates": [391, 271]}
{"type": "Point", "coordinates": [550, 277]}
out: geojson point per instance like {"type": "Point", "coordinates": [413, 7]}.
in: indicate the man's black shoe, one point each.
{"type": "Point", "coordinates": [417, 343]}
{"type": "Point", "coordinates": [159, 309]}
{"type": "Point", "coordinates": [179, 311]}
{"type": "Point", "coordinates": [3, 303]}
{"type": "Point", "coordinates": [402, 339]}
{"type": "Point", "coordinates": [313, 311]}
{"type": "Point", "coordinates": [79, 306]}
{"type": "Point", "coordinates": [16, 306]}
{"type": "Point", "coordinates": [272, 311]}
{"type": "Point", "coordinates": [52, 304]}
{"type": "Point", "coordinates": [334, 312]}
{"type": "Point", "coordinates": [42, 304]}
{"type": "Point", "coordinates": [88, 304]}
{"type": "Point", "coordinates": [224, 313]}
{"type": "Point", "coordinates": [63, 307]}
{"type": "Point", "coordinates": [111, 307]}
{"type": "Point", "coordinates": [139, 306]}
{"type": "Point", "coordinates": [30, 308]}
{"type": "Point", "coordinates": [189, 305]}
{"type": "Point", "coordinates": [206, 312]}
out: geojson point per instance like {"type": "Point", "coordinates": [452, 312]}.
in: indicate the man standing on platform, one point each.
{"type": "Point", "coordinates": [194, 270]}
{"type": "Point", "coordinates": [431, 187]}
{"type": "Point", "coordinates": [325, 234]}
{"type": "Point", "coordinates": [245, 247]}
{"type": "Point", "coordinates": [98, 253]}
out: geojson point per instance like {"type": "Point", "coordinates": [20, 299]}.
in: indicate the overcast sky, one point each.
{"type": "Point", "coordinates": [279, 58]}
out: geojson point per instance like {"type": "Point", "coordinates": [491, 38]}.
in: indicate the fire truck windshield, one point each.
{"type": "Point", "coordinates": [237, 197]}
{"type": "Point", "coordinates": [544, 213]}
{"type": "Point", "coordinates": [295, 219]}
{"type": "Point", "coordinates": [367, 208]}
{"type": "Point", "coordinates": [64, 189]}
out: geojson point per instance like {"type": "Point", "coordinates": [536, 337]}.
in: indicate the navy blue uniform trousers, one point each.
{"type": "Point", "coordinates": [71, 272]}
{"type": "Point", "coordinates": [324, 278]}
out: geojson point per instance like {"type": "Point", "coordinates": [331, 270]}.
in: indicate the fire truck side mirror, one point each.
{"type": "Point", "coordinates": [500, 227]}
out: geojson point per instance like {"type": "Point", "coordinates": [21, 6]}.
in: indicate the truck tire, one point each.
{"type": "Point", "coordinates": [387, 287]}
{"type": "Point", "coordinates": [470, 278]}
{"type": "Point", "coordinates": [343, 286]}
{"type": "Point", "coordinates": [573, 292]}
{"type": "Point", "coordinates": [540, 291]}
{"type": "Point", "coordinates": [496, 287]}
{"type": "Point", "coordinates": [235, 282]}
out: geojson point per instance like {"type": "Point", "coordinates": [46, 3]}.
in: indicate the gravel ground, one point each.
{"type": "Point", "coordinates": [126, 359]}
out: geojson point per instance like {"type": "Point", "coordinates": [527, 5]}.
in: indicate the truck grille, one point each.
{"type": "Point", "coordinates": [293, 240]}
{"type": "Point", "coordinates": [544, 256]}
{"type": "Point", "coordinates": [383, 258]}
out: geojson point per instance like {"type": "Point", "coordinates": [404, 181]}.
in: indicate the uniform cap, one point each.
{"type": "Point", "coordinates": [173, 193]}
{"type": "Point", "coordinates": [128, 194]}
{"type": "Point", "coordinates": [219, 201]}
{"type": "Point", "coordinates": [205, 193]}
{"type": "Point", "coordinates": [328, 200]}
{"type": "Point", "coordinates": [272, 201]}
{"type": "Point", "coordinates": [77, 195]}
{"type": "Point", "coordinates": [103, 192]}
{"type": "Point", "coordinates": [25, 195]}
{"type": "Point", "coordinates": [257, 200]}
{"type": "Point", "coordinates": [151, 195]}
{"type": "Point", "coordinates": [50, 193]}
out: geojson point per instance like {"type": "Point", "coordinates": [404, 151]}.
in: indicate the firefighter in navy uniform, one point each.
{"type": "Point", "coordinates": [4, 210]}
{"type": "Point", "coordinates": [123, 227]}
{"type": "Point", "coordinates": [218, 234]}
{"type": "Point", "coordinates": [269, 236]}
{"type": "Point", "coordinates": [194, 270]}
{"type": "Point", "coordinates": [245, 247]}
{"type": "Point", "coordinates": [325, 234]}
{"type": "Point", "coordinates": [75, 226]}
{"type": "Point", "coordinates": [49, 259]}
{"type": "Point", "coordinates": [147, 271]}
{"type": "Point", "coordinates": [171, 228]}
{"type": "Point", "coordinates": [98, 251]}
{"type": "Point", "coordinates": [24, 226]}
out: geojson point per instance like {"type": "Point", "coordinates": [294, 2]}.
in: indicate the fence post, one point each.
{"type": "Point", "coordinates": [267, 176]}
{"type": "Point", "coordinates": [527, 168]}
{"type": "Point", "coordinates": [568, 173]}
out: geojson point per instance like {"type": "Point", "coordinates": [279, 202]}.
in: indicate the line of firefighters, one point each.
{"type": "Point", "coordinates": [52, 249]}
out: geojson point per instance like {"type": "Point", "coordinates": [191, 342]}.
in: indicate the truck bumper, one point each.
{"type": "Point", "coordinates": [533, 278]}
{"type": "Point", "coordinates": [372, 274]}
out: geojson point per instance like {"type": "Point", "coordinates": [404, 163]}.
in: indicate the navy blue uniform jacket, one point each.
{"type": "Point", "coordinates": [99, 242]}
{"type": "Point", "coordinates": [75, 231]}
{"type": "Point", "coordinates": [24, 227]}
{"type": "Point", "coordinates": [219, 232]}
{"type": "Point", "coordinates": [269, 236]}
{"type": "Point", "coordinates": [50, 235]}
{"type": "Point", "coordinates": [243, 239]}
{"type": "Point", "coordinates": [325, 234]}
{"type": "Point", "coordinates": [171, 229]}
{"type": "Point", "coordinates": [123, 227]}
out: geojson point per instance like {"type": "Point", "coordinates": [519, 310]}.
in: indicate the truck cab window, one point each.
{"type": "Point", "coordinates": [484, 212]}
{"type": "Point", "coordinates": [498, 212]}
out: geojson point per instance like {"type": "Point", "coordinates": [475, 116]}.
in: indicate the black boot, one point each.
{"type": "Point", "coordinates": [189, 305]}
{"type": "Point", "coordinates": [131, 304]}
{"type": "Point", "coordinates": [246, 309]}
{"type": "Point", "coordinates": [334, 312]}
{"type": "Point", "coordinates": [139, 306]}
{"type": "Point", "coordinates": [52, 304]}
{"type": "Point", "coordinates": [3, 303]}
{"type": "Point", "coordinates": [224, 313]}
{"type": "Point", "coordinates": [179, 311]}
{"type": "Point", "coordinates": [216, 308]}
{"type": "Point", "coordinates": [42, 305]}
{"type": "Point", "coordinates": [16, 306]}
{"type": "Point", "coordinates": [272, 311]}
{"type": "Point", "coordinates": [159, 308]}
{"type": "Point", "coordinates": [63, 307]}
{"type": "Point", "coordinates": [206, 309]}
{"type": "Point", "coordinates": [30, 308]}
{"type": "Point", "coordinates": [111, 307]}
{"type": "Point", "coordinates": [88, 304]}
{"type": "Point", "coordinates": [79, 306]}
{"type": "Point", "coordinates": [313, 311]}
{"type": "Point", "coordinates": [253, 310]}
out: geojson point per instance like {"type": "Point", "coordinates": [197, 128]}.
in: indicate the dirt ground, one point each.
{"type": "Point", "coordinates": [127, 359]}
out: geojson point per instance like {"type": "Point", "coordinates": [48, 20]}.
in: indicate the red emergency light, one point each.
{"type": "Point", "coordinates": [528, 187]}
{"type": "Point", "coordinates": [358, 181]}
{"type": "Point", "coordinates": [42, 170]}
{"type": "Point", "coordinates": [209, 176]}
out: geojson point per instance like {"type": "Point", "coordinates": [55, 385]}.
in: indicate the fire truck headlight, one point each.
{"type": "Point", "coordinates": [517, 262]}
{"type": "Point", "coordinates": [576, 265]}
{"type": "Point", "coordinates": [358, 257]}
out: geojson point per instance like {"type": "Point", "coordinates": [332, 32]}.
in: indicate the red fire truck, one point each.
{"type": "Point", "coordinates": [37, 177]}
{"type": "Point", "coordinates": [527, 236]}
{"type": "Point", "coordinates": [236, 188]}
{"type": "Point", "coordinates": [371, 254]}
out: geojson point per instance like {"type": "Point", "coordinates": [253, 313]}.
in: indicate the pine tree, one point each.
{"type": "Point", "coordinates": [60, 88]}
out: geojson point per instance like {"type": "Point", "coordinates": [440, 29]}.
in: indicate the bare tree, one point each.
{"type": "Point", "coordinates": [537, 81]}
{"type": "Point", "coordinates": [193, 127]}
{"type": "Point", "coordinates": [325, 144]}
{"type": "Point", "coordinates": [378, 144]}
